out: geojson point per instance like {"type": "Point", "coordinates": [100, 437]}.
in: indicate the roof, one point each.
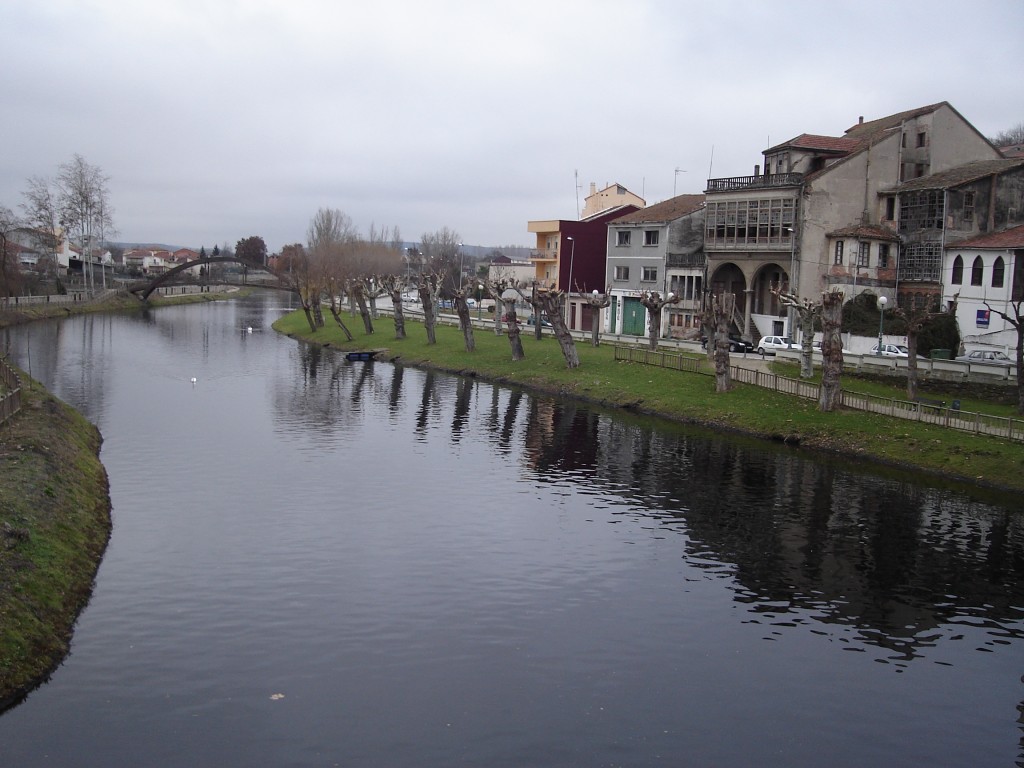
{"type": "Point", "coordinates": [962, 174]}
{"type": "Point", "coordinates": [836, 144]}
{"type": "Point", "coordinates": [872, 128]}
{"type": "Point", "coordinates": [866, 232]}
{"type": "Point", "coordinates": [668, 210]}
{"type": "Point", "coordinates": [1012, 150]}
{"type": "Point", "coordinates": [1008, 238]}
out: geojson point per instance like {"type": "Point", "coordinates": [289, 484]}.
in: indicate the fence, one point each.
{"type": "Point", "coordinates": [929, 412]}
{"type": "Point", "coordinates": [10, 401]}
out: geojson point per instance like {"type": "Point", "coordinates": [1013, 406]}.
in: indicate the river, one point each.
{"type": "Point", "coordinates": [316, 562]}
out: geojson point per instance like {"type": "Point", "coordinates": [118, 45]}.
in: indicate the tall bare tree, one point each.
{"type": "Point", "coordinates": [1016, 320]}
{"type": "Point", "coordinates": [42, 218]}
{"type": "Point", "coordinates": [917, 319]}
{"type": "Point", "coordinates": [831, 350]}
{"type": "Point", "coordinates": [655, 303]}
{"type": "Point", "coordinates": [85, 209]}
{"type": "Point", "coordinates": [807, 311]}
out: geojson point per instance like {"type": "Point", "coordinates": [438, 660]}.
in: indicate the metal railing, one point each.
{"type": "Point", "coordinates": [926, 411]}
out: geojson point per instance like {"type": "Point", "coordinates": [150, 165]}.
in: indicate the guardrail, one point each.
{"type": "Point", "coordinates": [924, 411]}
{"type": "Point", "coordinates": [10, 401]}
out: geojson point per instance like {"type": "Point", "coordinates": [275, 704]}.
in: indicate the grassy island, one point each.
{"type": "Point", "coordinates": [976, 460]}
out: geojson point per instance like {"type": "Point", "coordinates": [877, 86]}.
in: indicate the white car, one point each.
{"type": "Point", "coordinates": [769, 345]}
{"type": "Point", "coordinates": [986, 357]}
{"type": "Point", "coordinates": [890, 350]}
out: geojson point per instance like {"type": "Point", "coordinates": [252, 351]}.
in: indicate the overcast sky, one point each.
{"type": "Point", "coordinates": [220, 119]}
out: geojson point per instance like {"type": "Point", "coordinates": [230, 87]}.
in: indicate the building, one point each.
{"type": "Point", "coordinates": [613, 196]}
{"type": "Point", "coordinates": [984, 273]}
{"type": "Point", "coordinates": [659, 248]}
{"type": "Point", "coordinates": [794, 225]}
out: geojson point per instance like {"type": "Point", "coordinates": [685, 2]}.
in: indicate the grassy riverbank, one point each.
{"type": "Point", "coordinates": [54, 526]}
{"type": "Point", "coordinates": [980, 461]}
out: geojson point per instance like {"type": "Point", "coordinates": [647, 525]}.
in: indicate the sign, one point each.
{"type": "Point", "coordinates": [982, 320]}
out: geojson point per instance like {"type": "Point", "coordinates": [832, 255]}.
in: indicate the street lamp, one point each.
{"type": "Point", "coordinates": [568, 293]}
{"type": "Point", "coordinates": [791, 310]}
{"type": "Point", "coordinates": [882, 301]}
{"type": "Point", "coordinates": [479, 299]}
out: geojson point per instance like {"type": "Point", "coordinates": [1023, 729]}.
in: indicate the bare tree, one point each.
{"type": "Point", "coordinates": [429, 288]}
{"type": "Point", "coordinates": [831, 350]}
{"type": "Point", "coordinates": [357, 292]}
{"type": "Point", "coordinates": [1014, 135]}
{"type": "Point", "coordinates": [393, 285]}
{"type": "Point", "coordinates": [441, 253]}
{"type": "Point", "coordinates": [84, 207]}
{"type": "Point", "coordinates": [807, 311]}
{"type": "Point", "coordinates": [655, 303]}
{"type": "Point", "coordinates": [1016, 320]}
{"type": "Point", "coordinates": [722, 307]}
{"type": "Point", "coordinates": [917, 319]}
{"type": "Point", "coordinates": [42, 218]}
{"type": "Point", "coordinates": [10, 267]}
{"type": "Point", "coordinates": [552, 302]}
{"type": "Point", "coordinates": [462, 310]}
{"type": "Point", "coordinates": [597, 301]}
{"type": "Point", "coordinates": [498, 289]}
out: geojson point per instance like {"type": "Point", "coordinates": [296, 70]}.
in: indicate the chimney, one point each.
{"type": "Point", "coordinates": [593, 188]}
{"type": "Point", "coordinates": [860, 120]}
{"type": "Point", "coordinates": [757, 170]}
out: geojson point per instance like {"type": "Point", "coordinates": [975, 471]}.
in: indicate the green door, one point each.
{"type": "Point", "coordinates": [634, 317]}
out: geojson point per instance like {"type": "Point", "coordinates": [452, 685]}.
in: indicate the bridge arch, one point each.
{"type": "Point", "coordinates": [144, 289]}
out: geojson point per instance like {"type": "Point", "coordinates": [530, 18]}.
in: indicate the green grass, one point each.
{"type": "Point", "coordinates": [690, 398]}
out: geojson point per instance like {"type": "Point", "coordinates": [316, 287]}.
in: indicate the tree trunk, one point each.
{"type": "Point", "coordinates": [499, 312]}
{"type": "Point", "coordinates": [364, 311]}
{"type": "Point", "coordinates": [514, 340]}
{"type": "Point", "coordinates": [832, 351]}
{"type": "Point", "coordinates": [309, 317]}
{"type": "Point", "coordinates": [723, 314]}
{"type": "Point", "coordinates": [429, 319]}
{"type": "Point", "coordinates": [654, 318]}
{"type": "Point", "coordinates": [807, 342]}
{"type": "Point", "coordinates": [552, 303]}
{"type": "Point", "coordinates": [336, 314]}
{"type": "Point", "coordinates": [465, 321]}
{"type": "Point", "coordinates": [396, 301]}
{"type": "Point", "coordinates": [911, 362]}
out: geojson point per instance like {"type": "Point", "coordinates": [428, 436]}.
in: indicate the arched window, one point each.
{"type": "Point", "coordinates": [998, 273]}
{"type": "Point", "coordinates": [977, 270]}
{"type": "Point", "coordinates": [958, 271]}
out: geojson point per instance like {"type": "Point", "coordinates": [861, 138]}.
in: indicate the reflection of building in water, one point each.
{"type": "Point", "coordinates": [803, 540]}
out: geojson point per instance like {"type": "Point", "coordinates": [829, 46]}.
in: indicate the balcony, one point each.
{"type": "Point", "coordinates": [765, 181]}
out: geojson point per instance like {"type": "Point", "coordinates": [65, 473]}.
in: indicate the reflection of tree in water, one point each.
{"type": "Point", "coordinates": [804, 541]}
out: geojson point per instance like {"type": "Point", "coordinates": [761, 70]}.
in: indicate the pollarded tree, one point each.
{"type": "Point", "coordinates": [597, 301]}
{"type": "Point", "coordinates": [393, 285]}
{"type": "Point", "coordinates": [721, 310]}
{"type": "Point", "coordinates": [552, 303]}
{"type": "Point", "coordinates": [655, 303]}
{"type": "Point", "coordinates": [831, 390]}
{"type": "Point", "coordinates": [1016, 320]}
{"type": "Point", "coordinates": [498, 289]}
{"type": "Point", "coordinates": [918, 318]}
{"type": "Point", "coordinates": [459, 296]}
{"type": "Point", "coordinates": [428, 286]}
{"type": "Point", "coordinates": [807, 311]}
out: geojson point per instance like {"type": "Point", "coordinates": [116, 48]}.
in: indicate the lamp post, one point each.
{"type": "Point", "coordinates": [882, 301]}
{"type": "Point", "coordinates": [479, 299]}
{"type": "Point", "coordinates": [791, 310]}
{"type": "Point", "coordinates": [568, 292]}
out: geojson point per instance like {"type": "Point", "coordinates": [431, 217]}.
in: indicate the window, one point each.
{"type": "Point", "coordinates": [883, 255]}
{"type": "Point", "coordinates": [903, 140]}
{"type": "Point", "coordinates": [649, 274]}
{"type": "Point", "coordinates": [622, 273]}
{"type": "Point", "coordinates": [863, 254]}
{"type": "Point", "coordinates": [890, 208]}
{"type": "Point", "coordinates": [977, 270]}
{"type": "Point", "coordinates": [651, 236]}
{"type": "Point", "coordinates": [968, 207]}
{"type": "Point", "coordinates": [958, 271]}
{"type": "Point", "coordinates": [922, 138]}
{"type": "Point", "coordinates": [839, 252]}
{"type": "Point", "coordinates": [998, 273]}
{"type": "Point", "coordinates": [622, 237]}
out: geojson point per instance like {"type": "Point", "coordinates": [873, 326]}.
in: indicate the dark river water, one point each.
{"type": "Point", "coordinates": [318, 563]}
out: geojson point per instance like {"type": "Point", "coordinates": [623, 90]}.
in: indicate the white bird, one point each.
{"type": "Point", "coordinates": [193, 379]}
{"type": "Point", "coordinates": [249, 329]}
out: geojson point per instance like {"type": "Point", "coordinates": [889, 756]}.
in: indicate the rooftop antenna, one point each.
{"type": "Point", "coordinates": [712, 162]}
{"type": "Point", "coordinates": [576, 174]}
{"type": "Point", "coordinates": [676, 176]}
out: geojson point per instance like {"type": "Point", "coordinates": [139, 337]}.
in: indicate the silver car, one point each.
{"type": "Point", "coordinates": [986, 357]}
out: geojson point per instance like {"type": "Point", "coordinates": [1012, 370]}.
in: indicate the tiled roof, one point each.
{"type": "Point", "coordinates": [668, 210]}
{"type": "Point", "coordinates": [838, 144]}
{"type": "Point", "coordinates": [962, 174]}
{"type": "Point", "coordinates": [867, 232]}
{"type": "Point", "coordinates": [882, 124]}
{"type": "Point", "coordinates": [1013, 150]}
{"type": "Point", "coordinates": [1008, 238]}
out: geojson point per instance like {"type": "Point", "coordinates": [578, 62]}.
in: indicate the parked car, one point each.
{"type": "Point", "coordinates": [769, 345]}
{"type": "Point", "coordinates": [986, 357]}
{"type": "Point", "coordinates": [890, 350]}
{"type": "Point", "coordinates": [736, 344]}
{"type": "Point", "coordinates": [816, 347]}
{"type": "Point", "coordinates": [544, 322]}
